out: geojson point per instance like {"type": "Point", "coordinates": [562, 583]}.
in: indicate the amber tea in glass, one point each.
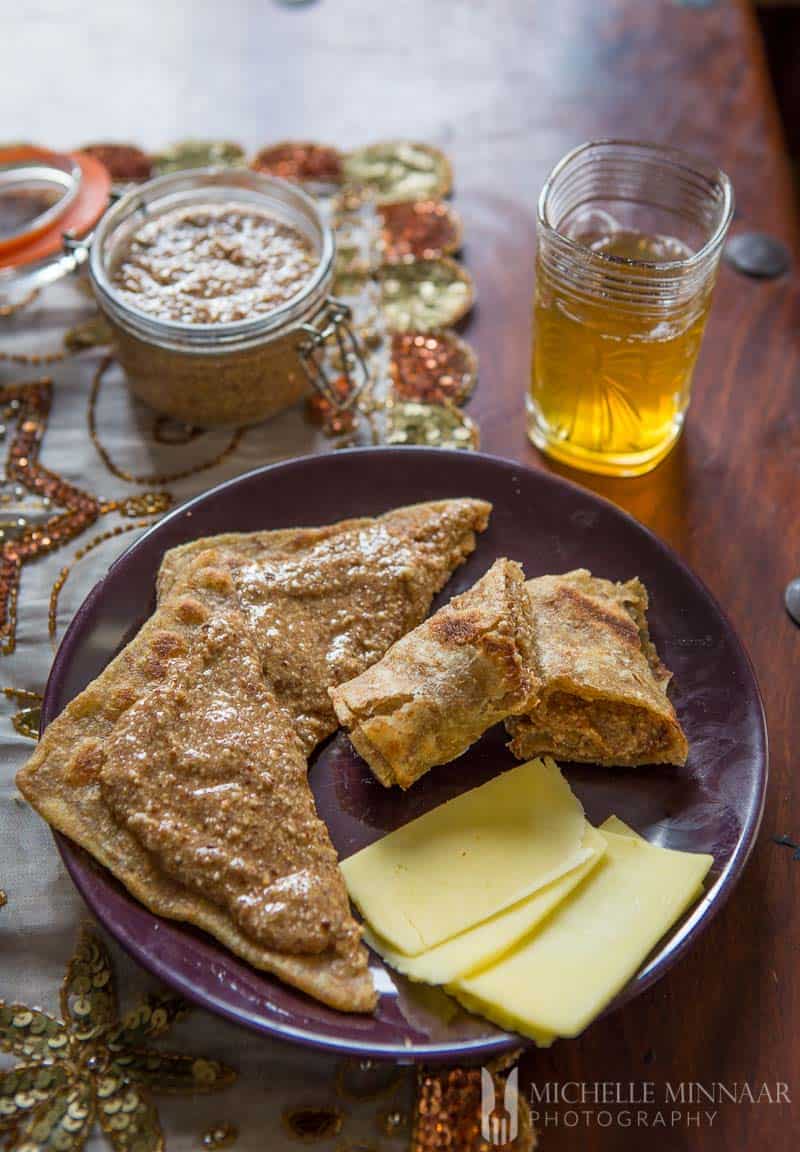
{"type": "Point", "coordinates": [628, 244]}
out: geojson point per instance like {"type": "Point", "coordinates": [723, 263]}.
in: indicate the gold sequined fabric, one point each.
{"type": "Point", "coordinates": [90, 1066]}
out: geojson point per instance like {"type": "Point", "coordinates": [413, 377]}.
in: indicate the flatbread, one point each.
{"type": "Point", "coordinates": [440, 687]}
{"type": "Point", "coordinates": [62, 780]}
{"type": "Point", "coordinates": [324, 604]}
{"type": "Point", "coordinates": [603, 687]}
{"type": "Point", "coordinates": [208, 774]}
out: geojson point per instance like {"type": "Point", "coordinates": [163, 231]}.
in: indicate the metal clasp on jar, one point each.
{"type": "Point", "coordinates": [331, 355]}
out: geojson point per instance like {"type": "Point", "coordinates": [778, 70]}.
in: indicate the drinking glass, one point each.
{"type": "Point", "coordinates": [629, 238]}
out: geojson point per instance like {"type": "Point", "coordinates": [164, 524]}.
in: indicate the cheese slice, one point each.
{"type": "Point", "coordinates": [563, 975]}
{"type": "Point", "coordinates": [614, 824]}
{"type": "Point", "coordinates": [470, 858]}
{"type": "Point", "coordinates": [487, 942]}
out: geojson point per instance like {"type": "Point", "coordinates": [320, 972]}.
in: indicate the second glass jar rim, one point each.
{"type": "Point", "coordinates": [629, 153]}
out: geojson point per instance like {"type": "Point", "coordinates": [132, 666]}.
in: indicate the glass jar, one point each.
{"type": "Point", "coordinates": [236, 372]}
{"type": "Point", "coordinates": [629, 238]}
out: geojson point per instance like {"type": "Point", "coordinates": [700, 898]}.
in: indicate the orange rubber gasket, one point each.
{"type": "Point", "coordinates": [79, 218]}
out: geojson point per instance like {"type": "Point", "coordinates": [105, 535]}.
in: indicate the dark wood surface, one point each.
{"type": "Point", "coordinates": [506, 87]}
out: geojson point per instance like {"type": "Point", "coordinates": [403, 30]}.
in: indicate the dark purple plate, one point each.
{"type": "Point", "coordinates": [713, 805]}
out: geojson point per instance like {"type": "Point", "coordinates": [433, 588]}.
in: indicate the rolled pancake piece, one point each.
{"type": "Point", "coordinates": [323, 604]}
{"type": "Point", "coordinates": [63, 782]}
{"type": "Point", "coordinates": [439, 688]}
{"type": "Point", "coordinates": [603, 696]}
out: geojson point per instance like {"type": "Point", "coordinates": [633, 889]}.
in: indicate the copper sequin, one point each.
{"type": "Point", "coordinates": [432, 367]}
{"type": "Point", "coordinates": [333, 421]}
{"type": "Point", "coordinates": [300, 161]}
{"type": "Point", "coordinates": [125, 162]}
{"type": "Point", "coordinates": [448, 1113]}
{"type": "Point", "coordinates": [423, 230]}
{"type": "Point", "coordinates": [74, 510]}
{"type": "Point", "coordinates": [92, 1065]}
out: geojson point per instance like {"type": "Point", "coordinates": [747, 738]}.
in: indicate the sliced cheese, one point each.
{"type": "Point", "coordinates": [614, 824]}
{"type": "Point", "coordinates": [563, 975]}
{"type": "Point", "coordinates": [482, 945]}
{"type": "Point", "coordinates": [470, 858]}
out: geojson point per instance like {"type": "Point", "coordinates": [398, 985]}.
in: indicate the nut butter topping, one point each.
{"type": "Point", "coordinates": [208, 774]}
{"type": "Point", "coordinates": [213, 264]}
{"type": "Point", "coordinates": [321, 615]}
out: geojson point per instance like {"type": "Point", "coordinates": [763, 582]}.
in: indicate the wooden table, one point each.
{"type": "Point", "coordinates": [506, 87]}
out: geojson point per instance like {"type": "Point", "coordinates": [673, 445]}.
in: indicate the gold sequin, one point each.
{"type": "Point", "coordinates": [425, 294]}
{"type": "Point", "coordinates": [92, 333]}
{"type": "Point", "coordinates": [433, 425]}
{"type": "Point", "coordinates": [27, 719]}
{"type": "Point", "coordinates": [92, 1065]}
{"type": "Point", "coordinates": [145, 504]}
{"type": "Point", "coordinates": [198, 154]}
{"type": "Point", "coordinates": [222, 1136]}
{"type": "Point", "coordinates": [392, 1122]}
{"type": "Point", "coordinates": [399, 170]}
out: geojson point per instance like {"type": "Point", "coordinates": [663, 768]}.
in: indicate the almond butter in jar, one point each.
{"type": "Point", "coordinates": [212, 281]}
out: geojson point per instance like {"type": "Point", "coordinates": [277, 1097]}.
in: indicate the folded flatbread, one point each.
{"type": "Point", "coordinates": [439, 688]}
{"type": "Point", "coordinates": [603, 693]}
{"type": "Point", "coordinates": [326, 603]}
{"type": "Point", "coordinates": [73, 783]}
{"type": "Point", "coordinates": [208, 774]}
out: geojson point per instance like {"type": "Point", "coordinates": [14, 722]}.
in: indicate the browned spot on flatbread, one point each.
{"type": "Point", "coordinates": [582, 609]}
{"type": "Point", "coordinates": [84, 766]}
{"type": "Point", "coordinates": [119, 701]}
{"type": "Point", "coordinates": [191, 611]}
{"type": "Point", "coordinates": [163, 648]}
{"type": "Point", "coordinates": [450, 629]}
{"type": "Point", "coordinates": [215, 580]}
